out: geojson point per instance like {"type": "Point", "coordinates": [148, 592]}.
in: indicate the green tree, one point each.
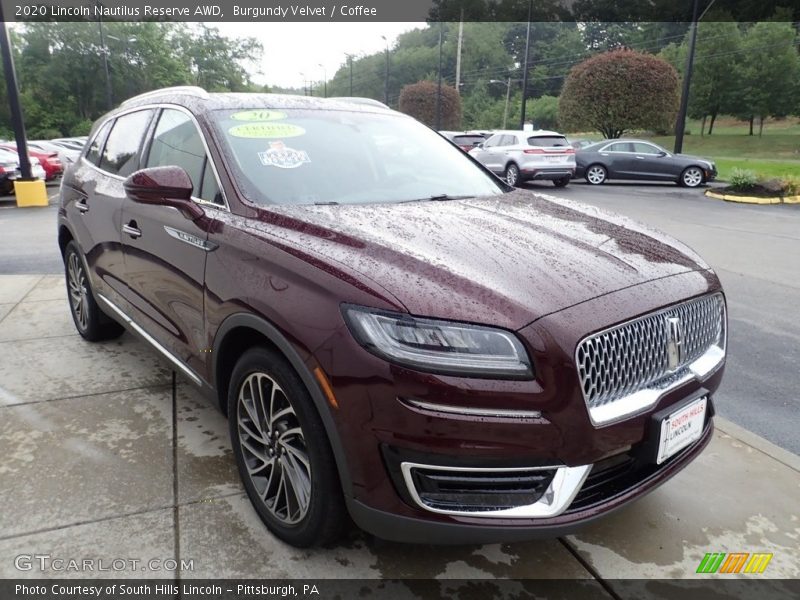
{"type": "Point", "coordinates": [544, 112]}
{"type": "Point", "coordinates": [716, 75]}
{"type": "Point", "coordinates": [619, 91]}
{"type": "Point", "coordinates": [420, 100]}
{"type": "Point", "coordinates": [769, 78]}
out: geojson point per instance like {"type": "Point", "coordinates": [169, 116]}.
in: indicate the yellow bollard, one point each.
{"type": "Point", "coordinates": [31, 193]}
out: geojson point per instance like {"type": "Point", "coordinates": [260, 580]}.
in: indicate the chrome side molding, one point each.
{"type": "Point", "coordinates": [151, 340]}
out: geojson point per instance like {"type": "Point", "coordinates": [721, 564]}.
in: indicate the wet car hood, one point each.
{"type": "Point", "coordinates": [503, 260]}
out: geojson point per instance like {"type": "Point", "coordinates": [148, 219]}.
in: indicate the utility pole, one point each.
{"type": "Point", "coordinates": [350, 61]}
{"type": "Point", "coordinates": [458, 52]}
{"type": "Point", "coordinates": [17, 121]}
{"type": "Point", "coordinates": [325, 77]}
{"type": "Point", "coordinates": [508, 97]}
{"type": "Point", "coordinates": [525, 71]}
{"type": "Point", "coordinates": [439, 84]}
{"type": "Point", "coordinates": [680, 125]}
{"type": "Point", "coordinates": [386, 74]}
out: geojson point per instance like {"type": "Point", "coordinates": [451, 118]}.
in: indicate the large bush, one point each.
{"type": "Point", "coordinates": [419, 101]}
{"type": "Point", "coordinates": [619, 91]}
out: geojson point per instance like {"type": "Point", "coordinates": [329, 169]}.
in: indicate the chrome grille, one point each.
{"type": "Point", "coordinates": [619, 362]}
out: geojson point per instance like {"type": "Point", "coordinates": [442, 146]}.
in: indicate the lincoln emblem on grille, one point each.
{"type": "Point", "coordinates": [674, 342]}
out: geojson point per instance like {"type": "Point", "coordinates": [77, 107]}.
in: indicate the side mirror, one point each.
{"type": "Point", "coordinates": [164, 186]}
{"type": "Point", "coordinates": [662, 154]}
{"type": "Point", "coordinates": [480, 145]}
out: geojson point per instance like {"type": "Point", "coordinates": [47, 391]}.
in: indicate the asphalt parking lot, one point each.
{"type": "Point", "coordinates": [105, 456]}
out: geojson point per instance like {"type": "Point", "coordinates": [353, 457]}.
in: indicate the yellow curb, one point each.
{"type": "Point", "coordinates": [753, 199]}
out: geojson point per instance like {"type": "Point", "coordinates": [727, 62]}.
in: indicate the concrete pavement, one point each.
{"type": "Point", "coordinates": [104, 458]}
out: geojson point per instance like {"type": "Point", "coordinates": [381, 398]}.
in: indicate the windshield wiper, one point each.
{"type": "Point", "coordinates": [326, 204]}
{"type": "Point", "coordinates": [440, 198]}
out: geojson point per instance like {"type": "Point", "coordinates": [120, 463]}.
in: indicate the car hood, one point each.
{"type": "Point", "coordinates": [691, 158]}
{"type": "Point", "coordinates": [502, 260]}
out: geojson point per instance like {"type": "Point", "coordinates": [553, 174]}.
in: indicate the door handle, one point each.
{"type": "Point", "coordinates": [132, 230]}
{"type": "Point", "coordinates": [82, 206]}
{"type": "Point", "coordinates": [640, 157]}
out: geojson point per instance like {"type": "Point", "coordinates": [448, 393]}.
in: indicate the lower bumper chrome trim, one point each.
{"type": "Point", "coordinates": [556, 499]}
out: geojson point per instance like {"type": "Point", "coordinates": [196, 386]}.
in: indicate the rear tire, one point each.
{"type": "Point", "coordinates": [596, 174]}
{"type": "Point", "coordinates": [282, 451]}
{"type": "Point", "coordinates": [560, 183]}
{"type": "Point", "coordinates": [90, 321]}
{"type": "Point", "coordinates": [512, 175]}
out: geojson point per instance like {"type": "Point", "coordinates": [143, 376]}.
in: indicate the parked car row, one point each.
{"type": "Point", "coordinates": [519, 156]}
{"type": "Point", "coordinates": [10, 172]}
{"type": "Point", "coordinates": [48, 159]}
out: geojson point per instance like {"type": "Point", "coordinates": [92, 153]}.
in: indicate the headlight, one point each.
{"type": "Point", "coordinates": [437, 346]}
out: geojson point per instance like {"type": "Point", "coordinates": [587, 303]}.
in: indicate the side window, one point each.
{"type": "Point", "coordinates": [177, 142]}
{"type": "Point", "coordinates": [509, 140]}
{"type": "Point", "coordinates": [642, 148]}
{"type": "Point", "coordinates": [121, 153]}
{"type": "Point", "coordinates": [620, 147]}
{"type": "Point", "coordinates": [94, 149]}
{"type": "Point", "coordinates": [493, 141]}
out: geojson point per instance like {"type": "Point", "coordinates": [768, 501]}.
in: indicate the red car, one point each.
{"type": "Point", "coordinates": [392, 331]}
{"type": "Point", "coordinates": [49, 160]}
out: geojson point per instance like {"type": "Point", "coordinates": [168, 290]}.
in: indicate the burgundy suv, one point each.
{"type": "Point", "coordinates": [393, 332]}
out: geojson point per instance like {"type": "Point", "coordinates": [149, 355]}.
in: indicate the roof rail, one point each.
{"type": "Point", "coordinates": [364, 101]}
{"type": "Point", "coordinates": [191, 90]}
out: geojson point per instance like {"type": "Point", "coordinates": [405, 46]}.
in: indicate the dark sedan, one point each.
{"type": "Point", "coordinates": [639, 159]}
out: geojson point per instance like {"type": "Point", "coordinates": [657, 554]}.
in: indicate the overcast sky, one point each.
{"type": "Point", "coordinates": [294, 48]}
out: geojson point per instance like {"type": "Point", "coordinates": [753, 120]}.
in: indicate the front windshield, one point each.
{"type": "Point", "coordinates": [294, 156]}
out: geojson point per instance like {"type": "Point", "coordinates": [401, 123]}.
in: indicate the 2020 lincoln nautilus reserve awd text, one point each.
{"type": "Point", "coordinates": [393, 332]}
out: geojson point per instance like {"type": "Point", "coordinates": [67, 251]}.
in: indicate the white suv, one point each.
{"type": "Point", "coordinates": [518, 156]}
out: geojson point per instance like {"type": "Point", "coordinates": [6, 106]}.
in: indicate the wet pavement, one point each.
{"type": "Point", "coordinates": [103, 457]}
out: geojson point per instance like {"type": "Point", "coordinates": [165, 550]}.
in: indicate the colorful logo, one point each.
{"type": "Point", "coordinates": [734, 562]}
{"type": "Point", "coordinates": [283, 157]}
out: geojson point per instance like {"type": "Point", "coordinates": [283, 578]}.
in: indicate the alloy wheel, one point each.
{"type": "Point", "coordinates": [274, 448]}
{"type": "Point", "coordinates": [76, 280]}
{"type": "Point", "coordinates": [596, 175]}
{"type": "Point", "coordinates": [692, 177]}
{"type": "Point", "coordinates": [512, 175]}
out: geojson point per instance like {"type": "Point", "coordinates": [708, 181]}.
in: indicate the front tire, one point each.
{"type": "Point", "coordinates": [90, 321]}
{"type": "Point", "coordinates": [512, 175]}
{"type": "Point", "coordinates": [692, 177]}
{"type": "Point", "coordinates": [282, 451]}
{"type": "Point", "coordinates": [596, 174]}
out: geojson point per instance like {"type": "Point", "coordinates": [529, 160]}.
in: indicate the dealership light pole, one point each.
{"type": "Point", "coordinates": [680, 124]}
{"type": "Point", "coordinates": [104, 52]}
{"type": "Point", "coordinates": [525, 71]}
{"type": "Point", "coordinates": [17, 121]}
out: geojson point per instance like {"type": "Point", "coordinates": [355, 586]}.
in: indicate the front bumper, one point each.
{"type": "Point", "coordinates": [597, 498]}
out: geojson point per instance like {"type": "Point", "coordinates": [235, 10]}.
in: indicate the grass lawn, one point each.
{"type": "Point", "coordinates": [775, 154]}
